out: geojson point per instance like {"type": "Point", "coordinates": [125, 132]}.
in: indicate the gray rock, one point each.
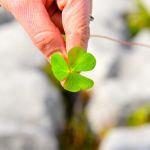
{"type": "Point", "coordinates": [30, 106]}
{"type": "Point", "coordinates": [132, 85]}
{"type": "Point", "coordinates": [5, 16]}
{"type": "Point", "coordinates": [108, 21]}
{"type": "Point", "coordinates": [17, 137]}
{"type": "Point", "coordinates": [122, 73]}
{"type": "Point", "coordinates": [127, 139]}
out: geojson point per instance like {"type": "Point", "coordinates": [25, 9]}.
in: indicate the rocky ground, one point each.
{"type": "Point", "coordinates": [30, 107]}
{"type": "Point", "coordinates": [121, 77]}
{"type": "Point", "coordinates": [128, 139]}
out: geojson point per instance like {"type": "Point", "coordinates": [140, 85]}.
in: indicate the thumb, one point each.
{"type": "Point", "coordinates": [36, 21]}
{"type": "Point", "coordinates": [75, 17]}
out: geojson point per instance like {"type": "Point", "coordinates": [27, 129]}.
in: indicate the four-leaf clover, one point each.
{"type": "Point", "coordinates": [69, 72]}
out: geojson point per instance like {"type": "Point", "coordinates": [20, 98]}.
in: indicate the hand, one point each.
{"type": "Point", "coordinates": [46, 20]}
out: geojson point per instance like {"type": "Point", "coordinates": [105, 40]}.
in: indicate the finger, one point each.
{"type": "Point", "coordinates": [56, 17]}
{"type": "Point", "coordinates": [33, 15]}
{"type": "Point", "coordinates": [57, 20]}
{"type": "Point", "coordinates": [75, 18]}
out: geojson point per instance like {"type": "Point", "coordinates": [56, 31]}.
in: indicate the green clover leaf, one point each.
{"type": "Point", "coordinates": [76, 82]}
{"type": "Point", "coordinates": [78, 60]}
{"type": "Point", "coordinates": [59, 67]}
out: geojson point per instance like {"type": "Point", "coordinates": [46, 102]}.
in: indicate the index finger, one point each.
{"type": "Point", "coordinates": [75, 18]}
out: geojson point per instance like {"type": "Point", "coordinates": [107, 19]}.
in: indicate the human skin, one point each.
{"type": "Point", "coordinates": [46, 20]}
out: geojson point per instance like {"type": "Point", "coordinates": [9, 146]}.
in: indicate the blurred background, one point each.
{"type": "Point", "coordinates": [37, 114]}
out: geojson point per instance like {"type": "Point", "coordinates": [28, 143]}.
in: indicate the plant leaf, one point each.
{"type": "Point", "coordinates": [84, 63]}
{"type": "Point", "coordinates": [74, 54]}
{"type": "Point", "coordinates": [59, 66]}
{"type": "Point", "coordinates": [76, 82]}
{"type": "Point", "coordinates": [80, 60]}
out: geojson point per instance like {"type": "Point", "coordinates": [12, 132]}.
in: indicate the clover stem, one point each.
{"type": "Point", "coordinates": [121, 41]}
{"type": "Point", "coordinates": [65, 55]}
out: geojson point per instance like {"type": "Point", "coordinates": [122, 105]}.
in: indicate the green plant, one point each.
{"type": "Point", "coordinates": [78, 135]}
{"type": "Point", "coordinates": [139, 19]}
{"type": "Point", "coordinates": [68, 71]}
{"type": "Point", "coordinates": [140, 116]}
